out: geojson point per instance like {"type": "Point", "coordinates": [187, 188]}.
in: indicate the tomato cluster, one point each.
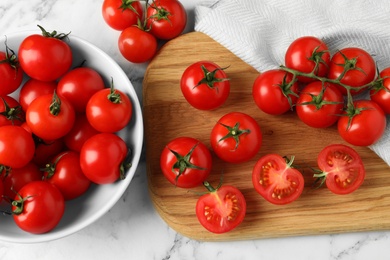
{"type": "Point", "coordinates": [59, 136]}
{"type": "Point", "coordinates": [143, 27]}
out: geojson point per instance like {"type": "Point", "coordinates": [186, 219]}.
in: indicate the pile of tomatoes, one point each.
{"type": "Point", "coordinates": [59, 135]}
{"type": "Point", "coordinates": [142, 27]}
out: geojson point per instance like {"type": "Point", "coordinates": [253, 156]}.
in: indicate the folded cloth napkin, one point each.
{"type": "Point", "coordinates": [260, 31]}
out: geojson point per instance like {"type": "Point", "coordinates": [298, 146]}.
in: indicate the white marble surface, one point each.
{"type": "Point", "coordinates": [132, 229]}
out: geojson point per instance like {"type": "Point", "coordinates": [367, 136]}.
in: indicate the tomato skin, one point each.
{"type": "Point", "coordinates": [172, 25]}
{"type": "Point", "coordinates": [363, 73]}
{"type": "Point", "coordinates": [276, 181]}
{"type": "Point", "coordinates": [240, 148]}
{"type": "Point", "coordinates": [101, 158]}
{"type": "Point", "coordinates": [343, 168]}
{"type": "Point", "coordinates": [10, 77]}
{"type": "Point", "coordinates": [326, 114]}
{"type": "Point", "coordinates": [222, 210]}
{"type": "Point", "coordinates": [366, 127]}
{"type": "Point", "coordinates": [79, 134]}
{"type": "Point", "coordinates": [43, 207]}
{"type": "Point", "coordinates": [44, 58]}
{"type": "Point", "coordinates": [268, 94]}
{"type": "Point", "coordinates": [200, 157]}
{"type": "Point", "coordinates": [12, 113]}
{"type": "Point", "coordinates": [381, 96]}
{"type": "Point", "coordinates": [120, 18]}
{"type": "Point", "coordinates": [202, 96]}
{"type": "Point", "coordinates": [299, 56]}
{"type": "Point", "coordinates": [34, 88]}
{"type": "Point", "coordinates": [137, 45]}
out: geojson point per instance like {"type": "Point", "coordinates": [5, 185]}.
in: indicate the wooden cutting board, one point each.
{"type": "Point", "coordinates": [167, 115]}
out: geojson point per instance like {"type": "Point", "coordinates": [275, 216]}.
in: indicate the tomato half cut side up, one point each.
{"type": "Point", "coordinates": [276, 181]}
{"type": "Point", "coordinates": [342, 167]}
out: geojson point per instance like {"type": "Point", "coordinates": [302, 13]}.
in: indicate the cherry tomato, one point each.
{"type": "Point", "coordinates": [50, 117]}
{"type": "Point", "coordinates": [308, 54]}
{"type": "Point", "coordinates": [136, 45]}
{"type": "Point", "coordinates": [274, 93]}
{"type": "Point", "coordinates": [81, 132]}
{"type": "Point", "coordinates": [166, 18]}
{"type": "Point", "coordinates": [221, 210]}
{"type": "Point", "coordinates": [38, 207]}
{"type": "Point", "coordinates": [236, 137]}
{"type": "Point", "coordinates": [46, 150]}
{"type": "Point", "coordinates": [16, 146]}
{"type": "Point", "coordinates": [78, 85]}
{"type": "Point", "coordinates": [320, 105]}
{"type": "Point", "coordinates": [45, 57]}
{"type": "Point", "coordinates": [341, 168]}
{"type": "Point", "coordinates": [380, 94]}
{"type": "Point", "coordinates": [103, 158]}
{"type": "Point", "coordinates": [65, 173]}
{"type": "Point", "coordinates": [359, 67]}
{"type": "Point", "coordinates": [11, 112]}
{"type": "Point", "coordinates": [205, 85]}
{"type": "Point", "coordinates": [34, 88]}
{"type": "Point", "coordinates": [11, 74]}
{"type": "Point", "coordinates": [276, 181]}
{"type": "Point", "coordinates": [363, 124]}
{"type": "Point", "coordinates": [120, 14]}
{"type": "Point", "coordinates": [186, 162]}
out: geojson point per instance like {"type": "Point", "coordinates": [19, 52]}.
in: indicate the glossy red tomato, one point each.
{"type": "Point", "coordinates": [221, 210]}
{"type": "Point", "coordinates": [166, 18]}
{"type": "Point", "coordinates": [11, 74]}
{"type": "Point", "coordinates": [308, 54]}
{"type": "Point", "coordinates": [103, 158]}
{"type": "Point", "coordinates": [274, 93]}
{"type": "Point", "coordinates": [185, 162]}
{"type": "Point", "coordinates": [236, 137]}
{"type": "Point", "coordinates": [120, 14]}
{"type": "Point", "coordinates": [354, 67]}
{"type": "Point", "coordinates": [11, 112]}
{"type": "Point", "coordinates": [34, 88]}
{"type": "Point", "coordinates": [320, 104]}
{"type": "Point", "coordinates": [65, 173]}
{"type": "Point", "coordinates": [276, 181]}
{"type": "Point", "coordinates": [16, 146]}
{"type": "Point", "coordinates": [380, 94]}
{"type": "Point", "coordinates": [50, 117]}
{"type": "Point", "coordinates": [38, 207]}
{"type": "Point", "coordinates": [363, 124]}
{"type": "Point", "coordinates": [205, 85]}
{"type": "Point", "coordinates": [81, 132]}
{"type": "Point", "coordinates": [136, 45]}
{"type": "Point", "coordinates": [109, 110]}
{"type": "Point", "coordinates": [342, 168]}
{"type": "Point", "coordinates": [45, 57]}
{"type": "Point", "coordinates": [78, 85]}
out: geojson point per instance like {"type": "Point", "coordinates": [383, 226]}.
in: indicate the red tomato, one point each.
{"type": "Point", "coordinates": [102, 158]}
{"type": "Point", "coordinates": [45, 57]}
{"type": "Point", "coordinates": [65, 173]}
{"type": "Point", "coordinates": [11, 74]}
{"type": "Point", "coordinates": [120, 14]}
{"type": "Point", "coordinates": [34, 88]}
{"type": "Point", "coordinates": [185, 162]}
{"type": "Point", "coordinates": [276, 181]}
{"type": "Point", "coordinates": [38, 207]}
{"type": "Point", "coordinates": [363, 124]}
{"type": "Point", "coordinates": [308, 54]}
{"type": "Point", "coordinates": [166, 18]}
{"type": "Point", "coordinates": [221, 210]}
{"type": "Point", "coordinates": [320, 104]}
{"type": "Point", "coordinates": [354, 67]}
{"type": "Point", "coordinates": [16, 146]}
{"type": "Point", "coordinates": [78, 86]}
{"type": "Point", "coordinates": [46, 150]}
{"type": "Point", "coordinates": [380, 94]}
{"type": "Point", "coordinates": [341, 167]}
{"type": "Point", "coordinates": [11, 112]}
{"type": "Point", "coordinates": [205, 85]}
{"type": "Point", "coordinates": [109, 110]}
{"type": "Point", "coordinates": [274, 93]}
{"type": "Point", "coordinates": [50, 117]}
{"type": "Point", "coordinates": [81, 132]}
{"type": "Point", "coordinates": [137, 45]}
{"type": "Point", "coordinates": [236, 137]}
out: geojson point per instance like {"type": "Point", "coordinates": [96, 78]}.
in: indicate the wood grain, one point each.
{"type": "Point", "coordinates": [167, 115]}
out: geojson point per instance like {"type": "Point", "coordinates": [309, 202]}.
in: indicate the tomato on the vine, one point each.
{"type": "Point", "coordinates": [205, 85]}
{"type": "Point", "coordinates": [11, 74]}
{"type": "Point", "coordinates": [380, 93]}
{"type": "Point", "coordinates": [222, 209]}
{"type": "Point", "coordinates": [186, 162]}
{"type": "Point", "coordinates": [32, 89]}
{"type": "Point", "coordinates": [120, 14]}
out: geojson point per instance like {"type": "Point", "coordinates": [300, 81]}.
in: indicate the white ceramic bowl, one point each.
{"type": "Point", "coordinates": [84, 210]}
